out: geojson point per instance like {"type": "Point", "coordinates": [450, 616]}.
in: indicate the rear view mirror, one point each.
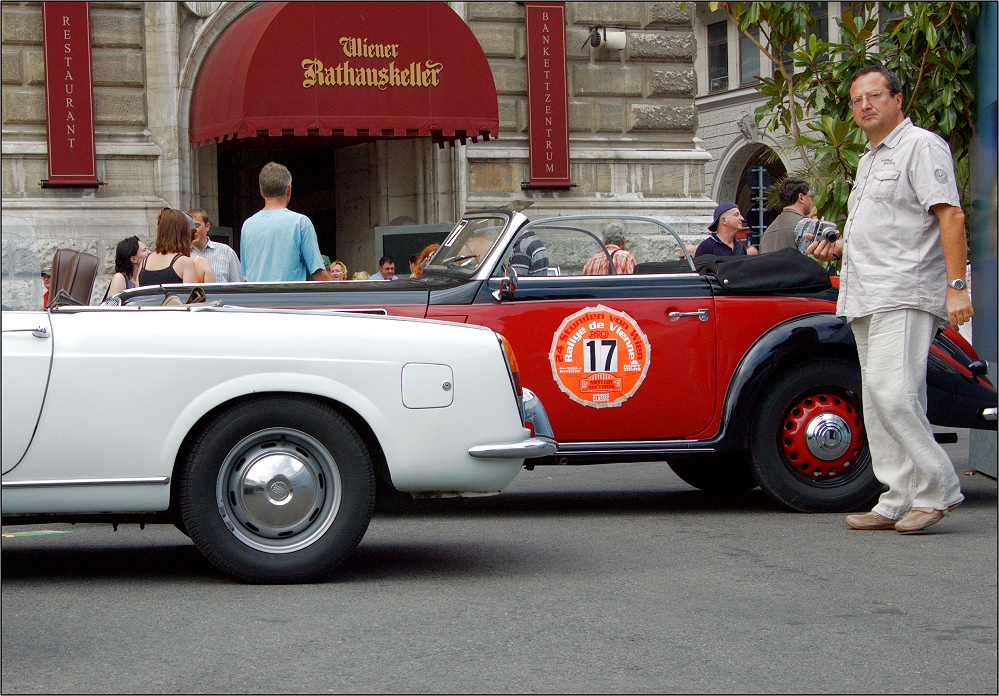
{"type": "Point", "coordinates": [508, 285]}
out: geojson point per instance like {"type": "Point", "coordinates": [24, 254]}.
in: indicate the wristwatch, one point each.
{"type": "Point", "coordinates": [958, 284]}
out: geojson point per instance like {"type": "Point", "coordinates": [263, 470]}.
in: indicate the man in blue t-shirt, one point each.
{"type": "Point", "coordinates": [277, 244]}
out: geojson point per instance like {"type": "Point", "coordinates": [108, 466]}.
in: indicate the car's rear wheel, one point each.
{"type": "Point", "coordinates": [716, 473]}
{"type": "Point", "coordinates": [277, 489]}
{"type": "Point", "coordinates": [809, 447]}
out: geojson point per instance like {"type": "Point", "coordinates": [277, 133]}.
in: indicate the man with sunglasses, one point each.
{"type": "Point", "coordinates": [904, 265]}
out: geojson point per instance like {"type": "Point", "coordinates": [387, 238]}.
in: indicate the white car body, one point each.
{"type": "Point", "coordinates": [100, 403]}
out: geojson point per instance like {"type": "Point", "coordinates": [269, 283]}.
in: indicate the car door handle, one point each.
{"type": "Point", "coordinates": [701, 314]}
{"type": "Point", "coordinates": [39, 331]}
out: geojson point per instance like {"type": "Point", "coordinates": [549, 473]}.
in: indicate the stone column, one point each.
{"type": "Point", "coordinates": [161, 24]}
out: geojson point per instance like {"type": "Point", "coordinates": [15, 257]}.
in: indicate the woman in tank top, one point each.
{"type": "Point", "coordinates": [128, 259]}
{"type": "Point", "coordinates": [171, 260]}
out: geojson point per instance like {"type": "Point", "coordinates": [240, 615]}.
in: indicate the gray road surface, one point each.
{"type": "Point", "coordinates": [614, 578]}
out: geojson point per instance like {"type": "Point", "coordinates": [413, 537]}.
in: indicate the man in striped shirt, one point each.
{"type": "Point", "coordinates": [624, 260]}
{"type": "Point", "coordinates": [222, 258]}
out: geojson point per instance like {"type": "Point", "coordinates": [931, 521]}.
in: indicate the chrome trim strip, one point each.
{"type": "Point", "coordinates": [58, 483]}
{"type": "Point", "coordinates": [525, 449]}
{"type": "Point", "coordinates": [989, 414]}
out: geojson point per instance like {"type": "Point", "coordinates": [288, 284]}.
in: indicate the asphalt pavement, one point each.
{"type": "Point", "coordinates": [610, 578]}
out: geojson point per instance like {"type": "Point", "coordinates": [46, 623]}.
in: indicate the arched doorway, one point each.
{"type": "Point", "coordinates": [737, 184]}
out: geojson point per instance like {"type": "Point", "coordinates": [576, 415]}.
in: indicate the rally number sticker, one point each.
{"type": "Point", "coordinates": [599, 357]}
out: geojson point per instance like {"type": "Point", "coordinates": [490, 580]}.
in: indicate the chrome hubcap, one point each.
{"type": "Point", "coordinates": [828, 436]}
{"type": "Point", "coordinates": [278, 490]}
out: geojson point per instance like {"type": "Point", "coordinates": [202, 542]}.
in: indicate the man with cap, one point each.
{"type": "Point", "coordinates": [722, 242]}
{"type": "Point", "coordinates": [624, 261]}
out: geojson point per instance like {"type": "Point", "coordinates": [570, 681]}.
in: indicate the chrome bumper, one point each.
{"type": "Point", "coordinates": [541, 445]}
{"type": "Point", "coordinates": [525, 449]}
{"type": "Point", "coordinates": [989, 414]}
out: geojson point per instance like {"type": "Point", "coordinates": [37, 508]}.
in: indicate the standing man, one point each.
{"type": "Point", "coordinates": [222, 258]}
{"type": "Point", "coordinates": [796, 197]}
{"type": "Point", "coordinates": [386, 269]}
{"type": "Point", "coordinates": [277, 244]}
{"type": "Point", "coordinates": [722, 242]}
{"type": "Point", "coordinates": [904, 266]}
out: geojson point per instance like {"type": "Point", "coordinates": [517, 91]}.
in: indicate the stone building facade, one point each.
{"type": "Point", "coordinates": [632, 119]}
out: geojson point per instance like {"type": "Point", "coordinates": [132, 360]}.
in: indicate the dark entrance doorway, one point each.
{"type": "Point", "coordinates": [313, 188]}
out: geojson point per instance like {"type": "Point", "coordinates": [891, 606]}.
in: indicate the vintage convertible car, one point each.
{"type": "Point", "coordinates": [734, 384]}
{"type": "Point", "coordinates": [261, 433]}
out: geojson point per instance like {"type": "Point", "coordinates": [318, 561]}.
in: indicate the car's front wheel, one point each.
{"type": "Point", "coordinates": [277, 489]}
{"type": "Point", "coordinates": [808, 443]}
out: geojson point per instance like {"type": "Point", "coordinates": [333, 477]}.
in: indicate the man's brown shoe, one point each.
{"type": "Point", "coordinates": [870, 520]}
{"type": "Point", "coordinates": [918, 519]}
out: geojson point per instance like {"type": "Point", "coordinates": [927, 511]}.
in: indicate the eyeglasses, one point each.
{"type": "Point", "coordinates": [870, 96]}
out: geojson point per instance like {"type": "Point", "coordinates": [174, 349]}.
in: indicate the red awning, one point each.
{"type": "Point", "coordinates": [350, 68]}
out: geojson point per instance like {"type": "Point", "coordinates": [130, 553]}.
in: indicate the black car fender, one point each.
{"type": "Point", "coordinates": [801, 339]}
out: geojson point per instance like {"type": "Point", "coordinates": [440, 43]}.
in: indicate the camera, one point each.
{"type": "Point", "coordinates": [809, 230]}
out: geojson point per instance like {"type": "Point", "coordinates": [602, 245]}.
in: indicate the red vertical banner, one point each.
{"type": "Point", "coordinates": [69, 94]}
{"type": "Point", "coordinates": [547, 95]}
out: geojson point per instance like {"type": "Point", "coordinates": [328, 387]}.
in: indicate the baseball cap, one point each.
{"type": "Point", "coordinates": [720, 210]}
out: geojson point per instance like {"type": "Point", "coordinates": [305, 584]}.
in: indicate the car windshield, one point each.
{"type": "Point", "coordinates": [22, 280]}
{"type": "Point", "coordinates": [468, 245]}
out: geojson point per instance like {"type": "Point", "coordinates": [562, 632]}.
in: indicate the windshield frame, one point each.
{"type": "Point", "coordinates": [511, 221]}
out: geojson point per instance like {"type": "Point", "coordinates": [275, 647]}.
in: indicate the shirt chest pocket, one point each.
{"type": "Point", "coordinates": [884, 185]}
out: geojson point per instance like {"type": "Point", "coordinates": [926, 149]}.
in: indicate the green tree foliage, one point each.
{"type": "Point", "coordinates": [930, 46]}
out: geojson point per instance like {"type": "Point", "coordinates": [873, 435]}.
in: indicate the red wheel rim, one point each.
{"type": "Point", "coordinates": [822, 436]}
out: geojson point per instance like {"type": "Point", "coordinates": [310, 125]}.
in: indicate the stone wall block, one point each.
{"type": "Point", "coordinates": [670, 13]}
{"type": "Point", "coordinates": [21, 25]}
{"type": "Point", "coordinates": [610, 116]}
{"type": "Point", "coordinates": [605, 13]}
{"type": "Point", "coordinates": [12, 73]}
{"type": "Point", "coordinates": [510, 78]}
{"type": "Point", "coordinates": [23, 105]}
{"type": "Point", "coordinates": [127, 176]}
{"type": "Point", "coordinates": [21, 176]}
{"type": "Point", "coordinates": [583, 174]}
{"type": "Point", "coordinates": [116, 28]}
{"type": "Point", "coordinates": [581, 116]}
{"type": "Point", "coordinates": [675, 82]}
{"type": "Point", "coordinates": [117, 107]}
{"type": "Point", "coordinates": [666, 179]}
{"type": "Point", "coordinates": [605, 80]}
{"type": "Point", "coordinates": [662, 117]}
{"type": "Point", "coordinates": [496, 40]}
{"type": "Point", "coordinates": [118, 67]}
{"type": "Point", "coordinates": [34, 68]}
{"type": "Point", "coordinates": [661, 45]}
{"type": "Point", "coordinates": [494, 10]}
{"type": "Point", "coordinates": [495, 177]}
{"type": "Point", "coordinates": [523, 120]}
{"type": "Point", "coordinates": [507, 113]}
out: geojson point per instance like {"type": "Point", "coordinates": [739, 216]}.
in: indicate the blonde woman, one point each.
{"type": "Point", "coordinates": [338, 270]}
